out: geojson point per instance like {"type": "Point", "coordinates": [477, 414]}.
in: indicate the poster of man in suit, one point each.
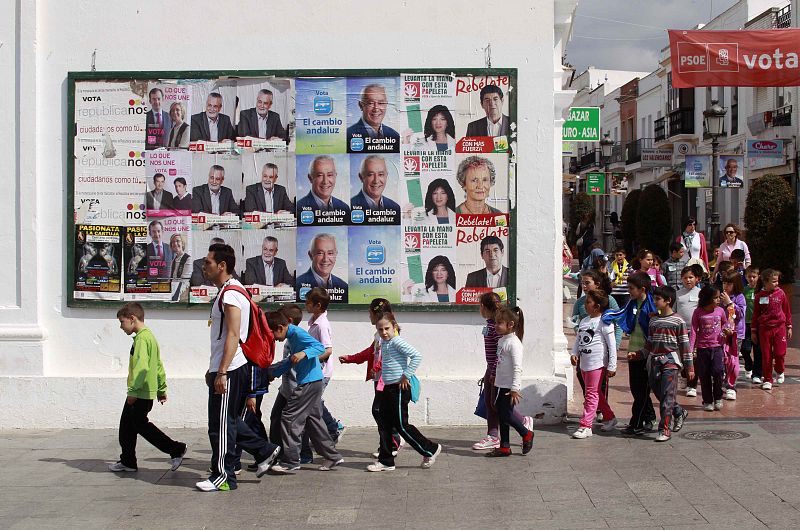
{"type": "Point", "coordinates": [482, 256]}
{"type": "Point", "coordinates": [482, 114]}
{"type": "Point", "coordinates": [217, 103]}
{"type": "Point", "coordinates": [270, 263]}
{"type": "Point", "coordinates": [217, 190]}
{"type": "Point", "coordinates": [372, 116]}
{"type": "Point", "coordinates": [266, 113]}
{"type": "Point", "coordinates": [269, 183]}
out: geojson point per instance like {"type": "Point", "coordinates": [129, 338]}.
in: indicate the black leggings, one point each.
{"type": "Point", "coordinates": [504, 413]}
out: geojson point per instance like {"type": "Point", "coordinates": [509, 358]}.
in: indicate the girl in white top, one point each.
{"type": "Point", "coordinates": [509, 324]}
{"type": "Point", "coordinates": [595, 349]}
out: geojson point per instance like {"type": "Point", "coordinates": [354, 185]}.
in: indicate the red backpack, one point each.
{"type": "Point", "coordinates": [259, 347]}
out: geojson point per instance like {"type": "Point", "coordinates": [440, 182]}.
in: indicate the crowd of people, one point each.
{"type": "Point", "coordinates": [685, 316]}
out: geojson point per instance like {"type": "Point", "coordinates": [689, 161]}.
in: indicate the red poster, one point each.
{"type": "Point", "coordinates": [764, 58]}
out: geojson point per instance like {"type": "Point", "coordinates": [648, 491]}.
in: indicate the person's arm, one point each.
{"type": "Point", "coordinates": [360, 357]}
{"type": "Point", "coordinates": [787, 312]}
{"type": "Point", "coordinates": [141, 362]}
{"type": "Point", "coordinates": [614, 306]}
{"type": "Point", "coordinates": [611, 345]}
{"type": "Point", "coordinates": [326, 338]}
{"type": "Point", "coordinates": [684, 350]}
{"type": "Point", "coordinates": [576, 312]}
{"type": "Point", "coordinates": [747, 260]}
{"type": "Point", "coordinates": [162, 382]}
{"type": "Point", "coordinates": [695, 331]}
{"type": "Point", "coordinates": [326, 355]}
{"type": "Point", "coordinates": [740, 306]}
{"type": "Point", "coordinates": [307, 346]}
{"type": "Point", "coordinates": [233, 318]}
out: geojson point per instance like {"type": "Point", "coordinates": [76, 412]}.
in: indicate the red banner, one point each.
{"type": "Point", "coordinates": [767, 57]}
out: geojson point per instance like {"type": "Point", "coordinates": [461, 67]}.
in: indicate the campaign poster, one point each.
{"type": "Point", "coordinates": [98, 257]}
{"type": "Point", "coordinates": [429, 276]}
{"type": "Point", "coordinates": [482, 114]}
{"type": "Point", "coordinates": [212, 129]}
{"type": "Point", "coordinates": [373, 258]}
{"type": "Point", "coordinates": [168, 117]}
{"type": "Point", "coordinates": [266, 114]}
{"type": "Point", "coordinates": [698, 171]}
{"type": "Point", "coordinates": [167, 244]}
{"type": "Point", "coordinates": [321, 115]}
{"type": "Point", "coordinates": [731, 171]}
{"type": "Point", "coordinates": [428, 112]}
{"type": "Point", "coordinates": [374, 185]}
{"type": "Point", "coordinates": [322, 261]}
{"type": "Point", "coordinates": [482, 254]}
{"type": "Point", "coordinates": [137, 270]}
{"type": "Point", "coordinates": [110, 117]}
{"type": "Point", "coordinates": [323, 189]}
{"type": "Point", "coordinates": [270, 189]}
{"type": "Point", "coordinates": [373, 117]}
{"type": "Point", "coordinates": [169, 183]}
{"type": "Point", "coordinates": [483, 183]}
{"type": "Point", "coordinates": [110, 191]}
{"type": "Point", "coordinates": [270, 264]}
{"type": "Point", "coordinates": [217, 192]}
{"type": "Point", "coordinates": [203, 291]}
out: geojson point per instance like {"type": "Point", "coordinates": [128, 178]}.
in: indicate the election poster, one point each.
{"type": "Point", "coordinates": [373, 255]}
{"type": "Point", "coordinates": [167, 246]}
{"type": "Point", "coordinates": [110, 191]}
{"type": "Point", "coordinates": [270, 264]}
{"type": "Point", "coordinates": [429, 276]}
{"type": "Point", "coordinates": [698, 171]}
{"type": "Point", "coordinates": [110, 116]}
{"type": "Point", "coordinates": [168, 116]}
{"type": "Point", "coordinates": [483, 180]}
{"type": "Point", "coordinates": [731, 171]}
{"type": "Point", "coordinates": [374, 183]}
{"type": "Point", "coordinates": [269, 189]}
{"type": "Point", "coordinates": [266, 114]}
{"type": "Point", "coordinates": [428, 110]}
{"type": "Point", "coordinates": [482, 114]}
{"type": "Point", "coordinates": [323, 190]}
{"type": "Point", "coordinates": [203, 291]}
{"type": "Point", "coordinates": [98, 253]}
{"type": "Point", "coordinates": [481, 253]}
{"type": "Point", "coordinates": [321, 115]}
{"type": "Point", "coordinates": [217, 191]}
{"type": "Point", "coordinates": [373, 119]}
{"type": "Point", "coordinates": [169, 183]}
{"type": "Point", "coordinates": [322, 261]}
{"type": "Point", "coordinates": [212, 128]}
{"type": "Point", "coordinates": [137, 271]}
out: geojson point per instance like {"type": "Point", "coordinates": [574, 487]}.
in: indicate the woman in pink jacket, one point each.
{"type": "Point", "coordinates": [731, 243]}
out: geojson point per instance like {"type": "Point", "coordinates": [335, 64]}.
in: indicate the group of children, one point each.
{"type": "Point", "coordinates": [696, 329]}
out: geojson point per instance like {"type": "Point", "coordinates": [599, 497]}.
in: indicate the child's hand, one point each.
{"type": "Point", "coordinates": [727, 332]}
{"type": "Point", "coordinates": [574, 360]}
{"type": "Point", "coordinates": [611, 373]}
{"type": "Point", "coordinates": [251, 404]}
{"type": "Point", "coordinates": [404, 384]}
{"type": "Point", "coordinates": [516, 397]}
{"type": "Point", "coordinates": [130, 400]}
{"type": "Point", "coordinates": [690, 373]}
{"type": "Point", "coordinates": [789, 333]}
{"type": "Point", "coordinates": [297, 357]}
{"type": "Point", "coordinates": [162, 399]}
{"type": "Point", "coordinates": [343, 359]}
{"type": "Point", "coordinates": [632, 355]}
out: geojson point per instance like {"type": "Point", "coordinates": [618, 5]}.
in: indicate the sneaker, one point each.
{"type": "Point", "coordinates": [748, 373]}
{"type": "Point", "coordinates": [527, 443]}
{"type": "Point", "coordinates": [730, 394]}
{"type": "Point", "coordinates": [284, 469]}
{"type": "Point", "coordinates": [757, 380]}
{"type": "Point", "coordinates": [377, 466]}
{"type": "Point", "coordinates": [663, 437]}
{"type": "Point", "coordinates": [609, 425]}
{"type": "Point", "coordinates": [118, 467]}
{"type": "Point", "coordinates": [708, 407]}
{"type": "Point", "coordinates": [207, 485]}
{"type": "Point", "coordinates": [766, 385]}
{"type": "Point", "coordinates": [265, 464]}
{"type": "Point", "coordinates": [306, 459]}
{"type": "Point", "coordinates": [691, 392]}
{"type": "Point", "coordinates": [650, 426]}
{"type": "Point", "coordinates": [779, 380]}
{"type": "Point", "coordinates": [488, 442]}
{"type": "Point", "coordinates": [527, 421]}
{"type": "Point", "coordinates": [630, 430]}
{"type": "Point", "coordinates": [677, 421]}
{"type": "Point", "coordinates": [176, 461]}
{"type": "Point", "coordinates": [327, 465]}
{"type": "Point", "coordinates": [340, 430]}
{"type": "Point", "coordinates": [718, 404]}
{"type": "Point", "coordinates": [582, 432]}
{"type": "Point", "coordinates": [499, 452]}
{"type": "Point", "coordinates": [428, 461]}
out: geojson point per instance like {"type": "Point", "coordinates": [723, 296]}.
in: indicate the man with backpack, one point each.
{"type": "Point", "coordinates": [233, 342]}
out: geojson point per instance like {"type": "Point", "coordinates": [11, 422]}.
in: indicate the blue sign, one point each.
{"type": "Point", "coordinates": [376, 254]}
{"type": "Point", "coordinates": [307, 217]}
{"type": "Point", "coordinates": [323, 105]}
{"type": "Point", "coordinates": [357, 216]}
{"type": "Point", "coordinates": [356, 144]}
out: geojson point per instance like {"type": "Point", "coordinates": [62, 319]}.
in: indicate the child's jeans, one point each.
{"type": "Point", "coordinates": [489, 399]}
{"type": "Point", "coordinates": [663, 376]}
{"type": "Point", "coordinates": [594, 399]}
{"type": "Point", "coordinates": [710, 370]}
{"type": "Point", "coordinates": [773, 348]}
{"type": "Point", "coordinates": [505, 410]}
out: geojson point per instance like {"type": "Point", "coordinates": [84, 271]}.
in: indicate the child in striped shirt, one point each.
{"type": "Point", "coordinates": [667, 352]}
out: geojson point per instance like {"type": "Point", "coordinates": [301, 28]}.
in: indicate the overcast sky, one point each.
{"type": "Point", "coordinates": [635, 40]}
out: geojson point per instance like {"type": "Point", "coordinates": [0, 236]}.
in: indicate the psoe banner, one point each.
{"type": "Point", "coordinates": [761, 58]}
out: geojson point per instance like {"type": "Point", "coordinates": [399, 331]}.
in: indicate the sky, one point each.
{"type": "Point", "coordinates": [629, 34]}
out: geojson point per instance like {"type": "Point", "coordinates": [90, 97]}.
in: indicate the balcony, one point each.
{"type": "Point", "coordinates": [681, 121]}
{"type": "Point", "coordinates": [589, 159]}
{"type": "Point", "coordinates": [660, 129]}
{"type": "Point", "coordinates": [617, 154]}
{"type": "Point", "coordinates": [782, 117]}
{"type": "Point", "coordinates": [634, 150]}
{"type": "Point", "coordinates": [784, 17]}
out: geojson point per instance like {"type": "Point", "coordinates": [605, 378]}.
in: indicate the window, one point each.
{"type": "Point", "coordinates": [734, 110]}
{"type": "Point", "coordinates": [616, 134]}
{"type": "Point", "coordinates": [649, 125]}
{"type": "Point", "coordinates": [721, 96]}
{"type": "Point", "coordinates": [780, 96]}
{"type": "Point", "coordinates": [708, 97]}
{"type": "Point", "coordinates": [642, 130]}
{"type": "Point", "coordinates": [673, 95]}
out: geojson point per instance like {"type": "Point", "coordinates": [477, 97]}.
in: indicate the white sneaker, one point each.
{"type": "Point", "coordinates": [428, 461]}
{"type": "Point", "coordinates": [327, 465]}
{"type": "Point", "coordinates": [757, 380]}
{"type": "Point", "coordinates": [708, 407]}
{"type": "Point", "coordinates": [766, 385]}
{"type": "Point", "coordinates": [718, 404]}
{"type": "Point", "coordinates": [284, 469]}
{"type": "Point", "coordinates": [748, 373]}
{"type": "Point", "coordinates": [377, 466]}
{"type": "Point", "coordinates": [662, 437]}
{"type": "Point", "coordinates": [609, 425]}
{"type": "Point", "coordinates": [207, 485]}
{"type": "Point", "coordinates": [779, 380]}
{"type": "Point", "coordinates": [691, 392]}
{"type": "Point", "coordinates": [117, 467]}
{"type": "Point", "coordinates": [730, 394]}
{"type": "Point", "coordinates": [488, 442]}
{"type": "Point", "coordinates": [528, 422]}
{"type": "Point", "coordinates": [582, 432]}
{"type": "Point", "coordinates": [264, 466]}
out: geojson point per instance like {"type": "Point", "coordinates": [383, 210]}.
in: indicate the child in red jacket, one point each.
{"type": "Point", "coordinates": [372, 356]}
{"type": "Point", "coordinates": [771, 326]}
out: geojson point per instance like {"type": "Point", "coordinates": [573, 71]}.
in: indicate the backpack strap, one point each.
{"type": "Point", "coordinates": [234, 288]}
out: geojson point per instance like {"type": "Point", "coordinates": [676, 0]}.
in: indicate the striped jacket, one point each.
{"type": "Point", "coordinates": [668, 335]}
{"type": "Point", "coordinates": [399, 359]}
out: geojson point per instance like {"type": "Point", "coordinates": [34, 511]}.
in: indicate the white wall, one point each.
{"type": "Point", "coordinates": [65, 367]}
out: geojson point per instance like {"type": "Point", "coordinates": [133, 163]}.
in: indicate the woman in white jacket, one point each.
{"type": "Point", "coordinates": [509, 324]}
{"type": "Point", "coordinates": [439, 286]}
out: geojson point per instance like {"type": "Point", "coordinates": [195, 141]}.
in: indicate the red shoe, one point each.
{"type": "Point", "coordinates": [500, 451]}
{"type": "Point", "coordinates": [527, 443]}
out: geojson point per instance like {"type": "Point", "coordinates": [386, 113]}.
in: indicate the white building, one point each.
{"type": "Point", "coordinates": [66, 367]}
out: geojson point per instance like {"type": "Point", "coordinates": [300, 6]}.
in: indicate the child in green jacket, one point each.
{"type": "Point", "coordinates": [146, 382]}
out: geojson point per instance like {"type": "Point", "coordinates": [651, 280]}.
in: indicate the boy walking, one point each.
{"type": "Point", "coordinates": [673, 267]}
{"type": "Point", "coordinates": [146, 382]}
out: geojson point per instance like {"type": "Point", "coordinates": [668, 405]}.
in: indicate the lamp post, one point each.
{"type": "Point", "coordinates": [606, 145]}
{"type": "Point", "coordinates": [714, 119]}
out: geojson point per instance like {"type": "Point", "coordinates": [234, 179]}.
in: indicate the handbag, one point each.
{"type": "Point", "coordinates": [480, 408]}
{"type": "Point", "coordinates": [415, 388]}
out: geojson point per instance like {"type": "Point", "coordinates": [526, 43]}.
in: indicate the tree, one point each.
{"type": "Point", "coordinates": [580, 205]}
{"type": "Point", "coordinates": [653, 220]}
{"type": "Point", "coordinates": [770, 217]}
{"type": "Point", "coordinates": [628, 220]}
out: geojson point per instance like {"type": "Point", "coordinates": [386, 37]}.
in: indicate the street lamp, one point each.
{"type": "Point", "coordinates": [606, 145]}
{"type": "Point", "coordinates": [714, 119]}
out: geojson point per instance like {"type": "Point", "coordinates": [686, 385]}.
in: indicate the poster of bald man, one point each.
{"type": "Point", "coordinates": [270, 262]}
{"type": "Point", "coordinates": [323, 189]}
{"type": "Point", "coordinates": [265, 117]}
{"type": "Point", "coordinates": [374, 181]}
{"type": "Point", "coordinates": [217, 191]}
{"type": "Point", "coordinates": [372, 115]}
{"type": "Point", "coordinates": [269, 184]}
{"type": "Point", "coordinates": [322, 261]}
{"type": "Point", "coordinates": [212, 129]}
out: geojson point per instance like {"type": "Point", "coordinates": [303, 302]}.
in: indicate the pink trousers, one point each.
{"type": "Point", "coordinates": [593, 399]}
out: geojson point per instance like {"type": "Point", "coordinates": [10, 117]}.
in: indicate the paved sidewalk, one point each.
{"type": "Point", "coordinates": [59, 479]}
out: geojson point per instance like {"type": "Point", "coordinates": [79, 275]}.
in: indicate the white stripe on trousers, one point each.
{"type": "Point", "coordinates": [222, 442]}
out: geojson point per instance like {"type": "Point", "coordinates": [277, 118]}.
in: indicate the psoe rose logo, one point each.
{"type": "Point", "coordinates": [411, 89]}
{"type": "Point", "coordinates": [411, 164]}
{"type": "Point", "coordinates": [412, 241]}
